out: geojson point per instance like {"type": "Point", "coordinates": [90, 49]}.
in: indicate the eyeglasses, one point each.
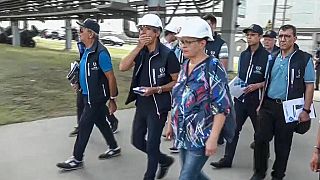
{"type": "Point", "coordinates": [285, 36]}
{"type": "Point", "coordinates": [187, 42]}
{"type": "Point", "coordinates": [148, 28]}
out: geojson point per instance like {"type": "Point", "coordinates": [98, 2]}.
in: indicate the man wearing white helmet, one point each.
{"type": "Point", "coordinates": [200, 103]}
{"type": "Point", "coordinates": [169, 38]}
{"type": "Point", "coordinates": [155, 73]}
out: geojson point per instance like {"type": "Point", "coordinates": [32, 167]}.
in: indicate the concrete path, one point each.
{"type": "Point", "coordinates": [29, 151]}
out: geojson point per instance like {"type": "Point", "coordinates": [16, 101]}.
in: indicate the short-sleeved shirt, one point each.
{"type": "Point", "coordinates": [195, 102]}
{"type": "Point", "coordinates": [104, 63]}
{"type": "Point", "coordinates": [279, 77]}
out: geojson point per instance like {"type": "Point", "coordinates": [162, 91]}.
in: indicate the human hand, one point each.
{"type": "Point", "coordinates": [169, 132]}
{"type": "Point", "coordinates": [149, 91]}
{"type": "Point", "coordinates": [250, 88]}
{"type": "Point", "coordinates": [112, 106]}
{"type": "Point", "coordinates": [314, 162]}
{"type": "Point", "coordinates": [304, 116]}
{"type": "Point", "coordinates": [144, 40]}
{"type": "Point", "coordinates": [211, 146]}
{"type": "Point", "coordinates": [75, 87]}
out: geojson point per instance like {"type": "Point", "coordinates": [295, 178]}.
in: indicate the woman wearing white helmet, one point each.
{"type": "Point", "coordinates": [200, 103]}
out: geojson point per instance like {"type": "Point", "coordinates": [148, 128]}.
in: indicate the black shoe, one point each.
{"type": "Point", "coordinates": [316, 89]}
{"type": "Point", "coordinates": [174, 149]}
{"type": "Point", "coordinates": [252, 145]}
{"type": "Point", "coordinates": [222, 163]}
{"type": "Point", "coordinates": [256, 177]}
{"type": "Point", "coordinates": [74, 132]}
{"type": "Point", "coordinates": [163, 168]}
{"type": "Point", "coordinates": [110, 153]}
{"type": "Point", "coordinates": [70, 164]}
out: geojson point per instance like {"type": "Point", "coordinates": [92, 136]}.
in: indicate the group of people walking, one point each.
{"type": "Point", "coordinates": [186, 75]}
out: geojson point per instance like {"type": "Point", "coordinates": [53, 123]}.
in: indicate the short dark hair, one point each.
{"type": "Point", "coordinates": [289, 26]}
{"type": "Point", "coordinates": [210, 17]}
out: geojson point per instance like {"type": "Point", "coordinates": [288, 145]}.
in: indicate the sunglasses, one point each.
{"type": "Point", "coordinates": [81, 29]}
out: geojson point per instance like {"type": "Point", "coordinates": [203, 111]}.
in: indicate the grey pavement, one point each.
{"type": "Point", "coordinates": [29, 151]}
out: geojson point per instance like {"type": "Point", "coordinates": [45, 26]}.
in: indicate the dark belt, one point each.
{"type": "Point", "coordinates": [278, 101]}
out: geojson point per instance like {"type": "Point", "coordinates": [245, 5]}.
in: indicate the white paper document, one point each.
{"type": "Point", "coordinates": [237, 86]}
{"type": "Point", "coordinates": [292, 109]}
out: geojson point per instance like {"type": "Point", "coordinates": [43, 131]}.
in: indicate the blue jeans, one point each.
{"type": "Point", "coordinates": [192, 163]}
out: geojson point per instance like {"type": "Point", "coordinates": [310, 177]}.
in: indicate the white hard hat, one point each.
{"type": "Point", "coordinates": [199, 29]}
{"type": "Point", "coordinates": [150, 20]}
{"type": "Point", "coordinates": [172, 28]}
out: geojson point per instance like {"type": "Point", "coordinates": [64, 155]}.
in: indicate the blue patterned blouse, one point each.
{"type": "Point", "coordinates": [195, 102]}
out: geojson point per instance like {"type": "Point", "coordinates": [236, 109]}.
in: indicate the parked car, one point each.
{"type": "Point", "coordinates": [112, 40]}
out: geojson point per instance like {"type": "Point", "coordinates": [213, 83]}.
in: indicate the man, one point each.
{"type": "Point", "coordinates": [218, 47]}
{"type": "Point", "coordinates": [317, 68]}
{"type": "Point", "coordinates": [289, 76]}
{"type": "Point", "coordinates": [269, 42]}
{"type": "Point", "coordinates": [98, 85]}
{"type": "Point", "coordinates": [155, 72]}
{"type": "Point", "coordinates": [252, 66]}
{"type": "Point", "coordinates": [169, 39]}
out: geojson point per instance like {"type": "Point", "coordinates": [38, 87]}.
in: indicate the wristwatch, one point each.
{"type": "Point", "coordinates": [306, 110]}
{"type": "Point", "coordinates": [159, 90]}
{"type": "Point", "coordinates": [113, 97]}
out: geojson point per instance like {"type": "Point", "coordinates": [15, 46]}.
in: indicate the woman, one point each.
{"type": "Point", "coordinates": [200, 101]}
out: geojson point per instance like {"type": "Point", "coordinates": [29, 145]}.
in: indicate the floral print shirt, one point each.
{"type": "Point", "coordinates": [196, 101]}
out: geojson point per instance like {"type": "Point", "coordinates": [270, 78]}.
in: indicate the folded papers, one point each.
{"type": "Point", "coordinates": [73, 75]}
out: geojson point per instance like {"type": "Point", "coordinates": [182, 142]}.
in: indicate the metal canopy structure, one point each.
{"type": "Point", "coordinates": [100, 9]}
{"type": "Point", "coordinates": [63, 9]}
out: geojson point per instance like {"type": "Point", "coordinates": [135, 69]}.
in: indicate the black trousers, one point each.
{"type": "Point", "coordinates": [80, 106]}
{"type": "Point", "coordinates": [147, 122]}
{"type": "Point", "coordinates": [243, 111]}
{"type": "Point", "coordinates": [271, 123]}
{"type": "Point", "coordinates": [93, 114]}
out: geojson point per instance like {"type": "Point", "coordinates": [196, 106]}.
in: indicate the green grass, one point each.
{"type": "Point", "coordinates": [33, 84]}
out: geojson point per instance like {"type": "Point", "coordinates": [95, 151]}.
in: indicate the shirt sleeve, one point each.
{"type": "Point", "coordinates": [173, 65]}
{"type": "Point", "coordinates": [224, 52]}
{"type": "Point", "coordinates": [105, 61]}
{"type": "Point", "coordinates": [220, 102]}
{"type": "Point", "coordinates": [309, 75]}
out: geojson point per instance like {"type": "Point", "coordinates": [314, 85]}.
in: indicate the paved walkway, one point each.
{"type": "Point", "coordinates": [29, 151]}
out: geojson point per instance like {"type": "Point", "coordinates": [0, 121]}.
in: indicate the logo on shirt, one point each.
{"type": "Point", "coordinates": [257, 70]}
{"type": "Point", "coordinates": [95, 66]}
{"type": "Point", "coordinates": [162, 73]}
